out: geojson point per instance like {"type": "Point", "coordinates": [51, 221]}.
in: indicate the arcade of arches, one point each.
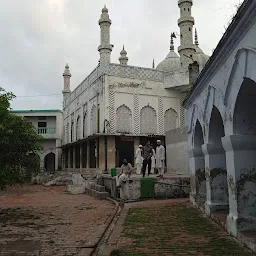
{"type": "Point", "coordinates": [222, 158]}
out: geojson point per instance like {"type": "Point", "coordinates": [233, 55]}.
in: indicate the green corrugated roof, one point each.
{"type": "Point", "coordinates": [36, 111]}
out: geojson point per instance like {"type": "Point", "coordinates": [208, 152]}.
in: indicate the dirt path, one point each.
{"type": "Point", "coordinates": [36, 220]}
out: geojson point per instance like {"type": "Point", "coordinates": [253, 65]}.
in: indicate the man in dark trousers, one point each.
{"type": "Point", "coordinates": [147, 153]}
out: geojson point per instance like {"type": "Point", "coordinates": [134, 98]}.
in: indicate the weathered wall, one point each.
{"type": "Point", "coordinates": [177, 151]}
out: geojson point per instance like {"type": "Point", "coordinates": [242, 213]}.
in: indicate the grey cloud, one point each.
{"type": "Point", "coordinates": [39, 37]}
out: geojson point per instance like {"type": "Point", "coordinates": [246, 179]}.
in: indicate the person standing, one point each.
{"type": "Point", "coordinates": [153, 160]}
{"type": "Point", "coordinates": [147, 153]}
{"type": "Point", "coordinates": [138, 159]}
{"type": "Point", "coordinates": [160, 157]}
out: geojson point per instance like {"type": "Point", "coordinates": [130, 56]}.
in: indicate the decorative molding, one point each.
{"type": "Point", "coordinates": [136, 72]}
{"type": "Point", "coordinates": [112, 113]}
{"type": "Point", "coordinates": [127, 85]}
{"type": "Point", "coordinates": [136, 114]}
{"type": "Point", "coordinates": [161, 115]}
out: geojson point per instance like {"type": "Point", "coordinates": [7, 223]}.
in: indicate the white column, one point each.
{"type": "Point", "coordinates": [241, 171]}
{"type": "Point", "coordinates": [216, 178]}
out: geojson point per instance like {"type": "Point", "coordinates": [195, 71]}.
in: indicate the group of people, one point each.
{"type": "Point", "coordinates": [148, 158]}
{"type": "Point", "coordinates": [145, 158]}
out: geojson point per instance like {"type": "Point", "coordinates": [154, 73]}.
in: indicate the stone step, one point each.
{"type": "Point", "coordinates": [96, 194]}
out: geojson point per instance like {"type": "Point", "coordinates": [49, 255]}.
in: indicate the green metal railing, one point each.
{"type": "Point", "coordinates": [46, 130]}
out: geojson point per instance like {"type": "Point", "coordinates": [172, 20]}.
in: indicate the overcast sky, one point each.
{"type": "Point", "coordinates": [38, 37]}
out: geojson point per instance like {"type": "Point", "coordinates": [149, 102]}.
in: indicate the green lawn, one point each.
{"type": "Point", "coordinates": [175, 229]}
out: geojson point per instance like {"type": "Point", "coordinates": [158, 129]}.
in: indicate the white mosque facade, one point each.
{"type": "Point", "coordinates": [119, 106]}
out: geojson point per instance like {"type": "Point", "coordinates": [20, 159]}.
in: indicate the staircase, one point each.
{"type": "Point", "coordinates": [96, 191]}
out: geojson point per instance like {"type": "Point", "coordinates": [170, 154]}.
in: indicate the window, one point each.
{"type": "Point", "coordinates": [42, 124]}
{"type": "Point", "coordinates": [188, 9]}
{"type": "Point", "coordinates": [189, 29]}
{"type": "Point", "coordinates": [42, 118]}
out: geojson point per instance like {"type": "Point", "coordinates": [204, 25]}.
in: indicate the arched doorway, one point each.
{"type": "Point", "coordinates": [197, 163]}
{"type": "Point", "coordinates": [49, 162]}
{"type": "Point", "coordinates": [215, 157]}
{"type": "Point", "coordinates": [242, 169]}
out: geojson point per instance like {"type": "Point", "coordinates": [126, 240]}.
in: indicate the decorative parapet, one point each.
{"type": "Point", "coordinates": [90, 79]}
{"type": "Point", "coordinates": [136, 72]}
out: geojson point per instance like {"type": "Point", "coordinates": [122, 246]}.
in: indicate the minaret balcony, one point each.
{"type": "Point", "coordinates": [185, 1]}
{"type": "Point", "coordinates": [186, 19]}
{"type": "Point", "coordinates": [186, 47]}
{"type": "Point", "coordinates": [106, 47]}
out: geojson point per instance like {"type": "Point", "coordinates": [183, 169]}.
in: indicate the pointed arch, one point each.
{"type": "Point", "coordinates": [198, 139]}
{"type": "Point", "coordinates": [67, 133]}
{"type": "Point", "coordinates": [170, 119]}
{"type": "Point", "coordinates": [85, 123]}
{"type": "Point", "coordinates": [94, 119]}
{"type": "Point", "coordinates": [243, 67]}
{"type": "Point", "coordinates": [196, 115]}
{"type": "Point", "coordinates": [78, 126]}
{"type": "Point", "coordinates": [148, 120]}
{"type": "Point", "coordinates": [124, 119]}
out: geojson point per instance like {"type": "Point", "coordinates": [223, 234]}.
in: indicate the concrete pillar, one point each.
{"type": "Point", "coordinates": [88, 155]}
{"type": "Point", "coordinates": [81, 157]}
{"type": "Point", "coordinates": [197, 176]}
{"type": "Point", "coordinates": [111, 145]}
{"type": "Point", "coordinates": [41, 163]}
{"type": "Point", "coordinates": [241, 172]}
{"type": "Point", "coordinates": [74, 158]}
{"type": "Point", "coordinates": [101, 153]}
{"type": "Point", "coordinates": [69, 157]}
{"type": "Point", "coordinates": [216, 178]}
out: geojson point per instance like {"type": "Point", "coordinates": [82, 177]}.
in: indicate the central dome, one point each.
{"type": "Point", "coordinates": [172, 60]}
{"type": "Point", "coordinates": [170, 63]}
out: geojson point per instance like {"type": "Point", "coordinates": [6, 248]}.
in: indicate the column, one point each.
{"type": "Point", "coordinates": [81, 157]}
{"type": "Point", "coordinates": [69, 157]}
{"type": "Point", "coordinates": [88, 155]}
{"type": "Point", "coordinates": [111, 145]}
{"type": "Point", "coordinates": [41, 163]}
{"type": "Point", "coordinates": [197, 176]}
{"type": "Point", "coordinates": [216, 178]}
{"type": "Point", "coordinates": [74, 157]}
{"type": "Point", "coordinates": [241, 171]}
{"type": "Point", "coordinates": [101, 153]}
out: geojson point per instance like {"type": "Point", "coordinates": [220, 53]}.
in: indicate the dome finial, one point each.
{"type": "Point", "coordinates": [172, 43]}
{"type": "Point", "coordinates": [196, 38]}
{"type": "Point", "coordinates": [153, 64]}
{"type": "Point", "coordinates": [105, 9]}
{"type": "Point", "coordinates": [123, 58]}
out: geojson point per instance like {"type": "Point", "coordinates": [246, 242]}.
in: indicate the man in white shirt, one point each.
{"type": "Point", "coordinates": [160, 157]}
{"type": "Point", "coordinates": [138, 159]}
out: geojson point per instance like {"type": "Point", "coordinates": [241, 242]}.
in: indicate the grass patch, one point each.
{"type": "Point", "coordinates": [175, 229]}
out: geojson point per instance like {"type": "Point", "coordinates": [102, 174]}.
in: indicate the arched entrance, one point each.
{"type": "Point", "coordinates": [216, 173]}
{"type": "Point", "coordinates": [49, 162]}
{"type": "Point", "coordinates": [197, 167]}
{"type": "Point", "coordinates": [242, 162]}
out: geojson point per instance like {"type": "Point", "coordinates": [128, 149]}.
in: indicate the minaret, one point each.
{"type": "Point", "coordinates": [186, 23]}
{"type": "Point", "coordinates": [123, 58]}
{"type": "Point", "coordinates": [66, 75]}
{"type": "Point", "coordinates": [105, 47]}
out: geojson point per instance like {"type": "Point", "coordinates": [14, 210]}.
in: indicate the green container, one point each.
{"type": "Point", "coordinates": [147, 187]}
{"type": "Point", "coordinates": [113, 172]}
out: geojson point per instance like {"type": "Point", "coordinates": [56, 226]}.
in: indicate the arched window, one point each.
{"type": "Point", "coordinates": [170, 120]}
{"type": "Point", "coordinates": [67, 133]}
{"type": "Point", "coordinates": [123, 120]}
{"type": "Point", "coordinates": [94, 120]}
{"type": "Point", "coordinates": [148, 120]}
{"type": "Point", "coordinates": [78, 125]}
{"type": "Point", "coordinates": [85, 125]}
{"type": "Point", "coordinates": [72, 131]}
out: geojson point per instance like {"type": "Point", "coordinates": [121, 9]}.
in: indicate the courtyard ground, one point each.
{"type": "Point", "coordinates": [169, 228]}
{"type": "Point", "coordinates": [36, 220]}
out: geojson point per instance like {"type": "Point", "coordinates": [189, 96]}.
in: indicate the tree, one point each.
{"type": "Point", "coordinates": [18, 144]}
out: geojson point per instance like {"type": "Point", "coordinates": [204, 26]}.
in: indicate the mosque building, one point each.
{"type": "Point", "coordinates": [119, 106]}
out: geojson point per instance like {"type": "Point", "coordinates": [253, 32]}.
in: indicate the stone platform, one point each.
{"type": "Point", "coordinates": [171, 186]}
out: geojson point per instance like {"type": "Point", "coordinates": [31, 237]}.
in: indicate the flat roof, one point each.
{"type": "Point", "coordinates": [36, 111]}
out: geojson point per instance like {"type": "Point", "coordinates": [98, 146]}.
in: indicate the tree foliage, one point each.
{"type": "Point", "coordinates": [18, 144]}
